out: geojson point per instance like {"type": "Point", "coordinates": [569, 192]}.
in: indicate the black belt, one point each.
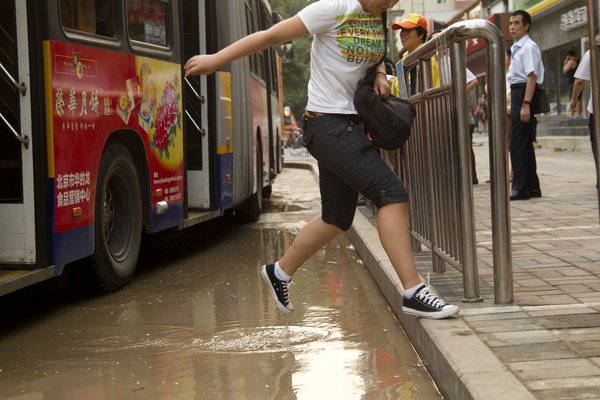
{"type": "Point", "coordinates": [308, 115]}
{"type": "Point", "coordinates": [518, 85]}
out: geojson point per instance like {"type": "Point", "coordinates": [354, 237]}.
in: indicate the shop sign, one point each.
{"type": "Point", "coordinates": [573, 19]}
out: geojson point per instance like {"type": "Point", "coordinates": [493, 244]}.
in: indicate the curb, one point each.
{"type": "Point", "coordinates": [462, 366]}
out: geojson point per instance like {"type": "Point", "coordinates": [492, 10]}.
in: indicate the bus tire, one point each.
{"type": "Point", "coordinates": [252, 207]}
{"type": "Point", "coordinates": [118, 219]}
{"type": "Point", "coordinates": [267, 191]}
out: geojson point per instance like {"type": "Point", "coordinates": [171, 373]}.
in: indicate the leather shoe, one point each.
{"type": "Point", "coordinates": [535, 193]}
{"type": "Point", "coordinates": [519, 195]}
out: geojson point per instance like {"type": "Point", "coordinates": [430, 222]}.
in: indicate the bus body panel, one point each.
{"type": "Point", "coordinates": [225, 171]}
{"type": "Point", "coordinates": [93, 89]}
{"type": "Point", "coordinates": [93, 94]}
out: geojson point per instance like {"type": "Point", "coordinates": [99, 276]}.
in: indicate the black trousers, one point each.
{"type": "Point", "coordinates": [594, 145]}
{"type": "Point", "coordinates": [522, 153]}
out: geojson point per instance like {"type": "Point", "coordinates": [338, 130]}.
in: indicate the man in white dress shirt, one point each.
{"type": "Point", "coordinates": [525, 71]}
{"type": "Point", "coordinates": [582, 75]}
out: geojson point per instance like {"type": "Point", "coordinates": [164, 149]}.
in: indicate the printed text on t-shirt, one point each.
{"type": "Point", "coordinates": [360, 38]}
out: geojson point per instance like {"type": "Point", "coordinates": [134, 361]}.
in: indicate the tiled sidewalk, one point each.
{"type": "Point", "coordinates": [549, 339]}
{"type": "Point", "coordinates": [547, 344]}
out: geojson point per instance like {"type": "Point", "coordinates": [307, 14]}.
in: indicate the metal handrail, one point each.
{"type": "Point", "coordinates": [456, 205]}
{"type": "Point", "coordinates": [20, 87]}
{"type": "Point", "coordinates": [198, 96]}
{"type": "Point", "coordinates": [22, 139]}
{"type": "Point", "coordinates": [200, 130]}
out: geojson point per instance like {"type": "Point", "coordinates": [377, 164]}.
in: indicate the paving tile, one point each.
{"type": "Point", "coordinates": [587, 393]}
{"type": "Point", "coordinates": [517, 338]}
{"type": "Point", "coordinates": [564, 383]}
{"type": "Point", "coordinates": [557, 368]}
{"type": "Point", "coordinates": [534, 351]}
{"type": "Point", "coordinates": [577, 334]}
{"type": "Point", "coordinates": [558, 299]}
{"type": "Point", "coordinates": [506, 325]}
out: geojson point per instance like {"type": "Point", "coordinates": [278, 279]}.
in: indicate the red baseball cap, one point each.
{"type": "Point", "coordinates": [411, 22]}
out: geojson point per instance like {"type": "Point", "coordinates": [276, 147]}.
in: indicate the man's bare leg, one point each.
{"type": "Point", "coordinates": [392, 226]}
{"type": "Point", "coordinates": [313, 236]}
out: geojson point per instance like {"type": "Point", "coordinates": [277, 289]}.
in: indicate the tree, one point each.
{"type": "Point", "coordinates": [296, 73]}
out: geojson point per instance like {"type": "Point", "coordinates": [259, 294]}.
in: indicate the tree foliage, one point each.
{"type": "Point", "coordinates": [296, 73]}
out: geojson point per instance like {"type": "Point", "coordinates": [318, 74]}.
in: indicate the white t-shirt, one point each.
{"type": "Point", "coordinates": [583, 72]}
{"type": "Point", "coordinates": [346, 42]}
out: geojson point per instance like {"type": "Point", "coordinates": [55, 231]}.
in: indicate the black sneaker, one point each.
{"type": "Point", "coordinates": [279, 288]}
{"type": "Point", "coordinates": [427, 304]}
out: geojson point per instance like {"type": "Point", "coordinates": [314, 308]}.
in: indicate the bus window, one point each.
{"type": "Point", "coordinates": [89, 16]}
{"type": "Point", "coordinates": [147, 21]}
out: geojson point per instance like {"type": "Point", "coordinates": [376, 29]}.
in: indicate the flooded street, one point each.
{"type": "Point", "coordinates": [197, 322]}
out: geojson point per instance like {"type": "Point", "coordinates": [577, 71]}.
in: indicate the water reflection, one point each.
{"type": "Point", "coordinates": [198, 323]}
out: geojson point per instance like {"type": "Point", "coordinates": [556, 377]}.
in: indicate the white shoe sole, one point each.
{"type": "Point", "coordinates": [432, 315]}
{"type": "Point", "coordinates": [282, 308]}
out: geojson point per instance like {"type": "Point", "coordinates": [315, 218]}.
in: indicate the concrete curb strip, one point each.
{"type": "Point", "coordinates": [461, 364]}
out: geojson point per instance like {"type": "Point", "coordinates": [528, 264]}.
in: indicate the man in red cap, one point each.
{"type": "Point", "coordinates": [412, 21]}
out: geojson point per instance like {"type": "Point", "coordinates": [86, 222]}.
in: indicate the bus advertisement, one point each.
{"type": "Point", "coordinates": [103, 137]}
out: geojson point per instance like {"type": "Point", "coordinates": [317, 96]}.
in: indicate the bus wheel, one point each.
{"type": "Point", "coordinates": [267, 191]}
{"type": "Point", "coordinates": [251, 209]}
{"type": "Point", "coordinates": [118, 219]}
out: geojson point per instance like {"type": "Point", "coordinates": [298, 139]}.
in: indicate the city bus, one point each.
{"type": "Point", "coordinates": [103, 139]}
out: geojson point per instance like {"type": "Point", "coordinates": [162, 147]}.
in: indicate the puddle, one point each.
{"type": "Point", "coordinates": [280, 207]}
{"type": "Point", "coordinates": [260, 339]}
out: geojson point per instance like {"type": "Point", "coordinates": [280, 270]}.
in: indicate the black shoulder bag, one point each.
{"type": "Point", "coordinates": [389, 121]}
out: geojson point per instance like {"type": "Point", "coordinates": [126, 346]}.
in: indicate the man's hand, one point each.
{"type": "Point", "coordinates": [525, 113]}
{"type": "Point", "coordinates": [380, 85]}
{"type": "Point", "coordinates": [203, 64]}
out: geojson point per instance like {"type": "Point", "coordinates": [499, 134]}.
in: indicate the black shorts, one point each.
{"type": "Point", "coordinates": [348, 164]}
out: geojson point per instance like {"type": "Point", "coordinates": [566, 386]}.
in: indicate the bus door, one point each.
{"type": "Point", "coordinates": [17, 223]}
{"type": "Point", "coordinates": [195, 108]}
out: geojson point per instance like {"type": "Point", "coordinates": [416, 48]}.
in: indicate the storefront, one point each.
{"type": "Point", "coordinates": [557, 27]}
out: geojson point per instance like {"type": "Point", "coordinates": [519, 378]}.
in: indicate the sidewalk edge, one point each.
{"type": "Point", "coordinates": [462, 365]}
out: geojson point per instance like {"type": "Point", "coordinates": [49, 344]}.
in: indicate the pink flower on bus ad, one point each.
{"type": "Point", "coordinates": [167, 119]}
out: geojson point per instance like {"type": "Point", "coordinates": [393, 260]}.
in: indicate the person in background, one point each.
{"type": "Point", "coordinates": [582, 75]}
{"type": "Point", "coordinates": [413, 33]}
{"type": "Point", "coordinates": [472, 83]}
{"type": "Point", "coordinates": [481, 112]}
{"type": "Point", "coordinates": [525, 71]}
{"type": "Point", "coordinates": [342, 51]}
{"type": "Point", "coordinates": [569, 67]}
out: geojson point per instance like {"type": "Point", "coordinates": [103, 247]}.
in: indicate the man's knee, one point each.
{"type": "Point", "coordinates": [342, 222]}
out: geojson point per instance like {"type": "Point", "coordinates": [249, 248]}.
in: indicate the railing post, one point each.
{"type": "Point", "coordinates": [441, 237]}
{"type": "Point", "coordinates": [469, 261]}
{"type": "Point", "coordinates": [501, 235]}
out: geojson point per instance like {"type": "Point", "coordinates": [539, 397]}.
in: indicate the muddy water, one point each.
{"type": "Point", "coordinates": [198, 323]}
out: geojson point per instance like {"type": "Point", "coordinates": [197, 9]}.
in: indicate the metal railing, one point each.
{"type": "Point", "coordinates": [435, 163]}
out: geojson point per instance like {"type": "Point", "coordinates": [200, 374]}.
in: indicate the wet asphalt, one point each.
{"type": "Point", "coordinates": [197, 322]}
